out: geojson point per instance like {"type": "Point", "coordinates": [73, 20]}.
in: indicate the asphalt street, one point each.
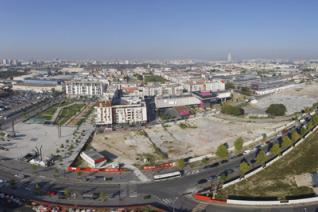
{"type": "Point", "coordinates": [174, 193]}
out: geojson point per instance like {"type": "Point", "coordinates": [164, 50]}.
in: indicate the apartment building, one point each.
{"type": "Point", "coordinates": [108, 114]}
{"type": "Point", "coordinates": [85, 88]}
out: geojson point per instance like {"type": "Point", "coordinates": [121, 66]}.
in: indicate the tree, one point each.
{"type": "Point", "coordinates": [180, 164]}
{"type": "Point", "coordinates": [232, 110]}
{"type": "Point", "coordinates": [303, 131]}
{"type": "Point", "coordinates": [246, 91]}
{"type": "Point", "coordinates": [286, 141]}
{"type": "Point", "coordinates": [67, 193]}
{"type": "Point", "coordinates": [12, 183]}
{"type": "Point", "coordinates": [264, 136]}
{"type": "Point", "coordinates": [276, 110]}
{"type": "Point", "coordinates": [37, 188]}
{"type": "Point", "coordinates": [229, 85]}
{"type": "Point", "coordinates": [310, 125]}
{"type": "Point", "coordinates": [222, 151]}
{"type": "Point", "coordinates": [295, 136]}
{"type": "Point", "coordinates": [261, 158]}
{"type": "Point", "coordinates": [315, 119]}
{"type": "Point", "coordinates": [238, 144]}
{"type": "Point", "coordinates": [244, 168]}
{"type": "Point", "coordinates": [34, 167]}
{"type": "Point", "coordinates": [275, 150]}
{"type": "Point", "coordinates": [103, 196]}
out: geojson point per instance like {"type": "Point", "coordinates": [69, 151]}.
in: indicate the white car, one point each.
{"type": "Point", "coordinates": [247, 151]}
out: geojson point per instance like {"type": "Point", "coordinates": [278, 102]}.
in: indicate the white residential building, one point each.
{"type": "Point", "coordinates": [103, 113]}
{"type": "Point", "coordinates": [85, 88]}
{"type": "Point", "coordinates": [130, 114]}
{"type": "Point", "coordinates": [215, 85]}
{"type": "Point", "coordinates": [107, 114]}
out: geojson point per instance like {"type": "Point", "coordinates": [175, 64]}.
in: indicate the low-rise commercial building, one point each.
{"type": "Point", "coordinates": [93, 159]}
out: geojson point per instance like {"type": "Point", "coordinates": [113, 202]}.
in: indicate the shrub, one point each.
{"type": "Point", "coordinates": [232, 110]}
{"type": "Point", "coordinates": [222, 151]}
{"type": "Point", "coordinates": [276, 110]}
{"type": "Point", "coordinates": [238, 144]}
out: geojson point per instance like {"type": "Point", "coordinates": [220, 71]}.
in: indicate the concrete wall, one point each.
{"type": "Point", "coordinates": [271, 162]}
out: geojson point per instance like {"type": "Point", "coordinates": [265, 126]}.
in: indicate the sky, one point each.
{"type": "Point", "coordinates": [158, 29]}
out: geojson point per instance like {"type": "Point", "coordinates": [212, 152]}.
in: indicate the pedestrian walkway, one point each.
{"type": "Point", "coordinates": [199, 208]}
{"type": "Point", "coordinates": [138, 173]}
{"type": "Point", "coordinates": [57, 112]}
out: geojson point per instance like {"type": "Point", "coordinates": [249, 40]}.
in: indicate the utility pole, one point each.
{"type": "Point", "coordinates": [59, 130]}
{"type": "Point", "coordinates": [13, 130]}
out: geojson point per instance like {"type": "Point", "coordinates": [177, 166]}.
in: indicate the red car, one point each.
{"type": "Point", "coordinates": [51, 193]}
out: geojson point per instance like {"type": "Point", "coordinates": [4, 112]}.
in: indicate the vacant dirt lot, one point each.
{"type": "Point", "coordinates": [124, 146]}
{"type": "Point", "coordinates": [202, 137]}
{"type": "Point", "coordinates": [295, 99]}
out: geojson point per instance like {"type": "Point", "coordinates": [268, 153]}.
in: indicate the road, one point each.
{"type": "Point", "coordinates": [174, 193]}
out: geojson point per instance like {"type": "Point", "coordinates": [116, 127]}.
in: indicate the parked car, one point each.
{"type": "Point", "coordinates": [211, 178]}
{"type": "Point", "coordinates": [202, 181]}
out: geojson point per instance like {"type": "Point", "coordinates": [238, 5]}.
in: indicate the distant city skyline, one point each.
{"type": "Point", "coordinates": [167, 29]}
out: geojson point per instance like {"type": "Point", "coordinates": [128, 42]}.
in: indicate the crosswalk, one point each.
{"type": "Point", "coordinates": [191, 172]}
{"type": "Point", "coordinates": [199, 208]}
{"type": "Point", "coordinates": [167, 201]}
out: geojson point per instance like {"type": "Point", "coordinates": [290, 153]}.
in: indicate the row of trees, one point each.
{"type": "Point", "coordinates": [222, 151]}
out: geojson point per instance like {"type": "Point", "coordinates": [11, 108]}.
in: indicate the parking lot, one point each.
{"type": "Point", "coordinates": [19, 101]}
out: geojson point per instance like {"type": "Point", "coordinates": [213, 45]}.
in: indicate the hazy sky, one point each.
{"type": "Point", "coordinates": [163, 29]}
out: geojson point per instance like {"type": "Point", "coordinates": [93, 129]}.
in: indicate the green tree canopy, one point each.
{"type": "Point", "coordinates": [222, 152]}
{"type": "Point", "coordinates": [229, 85]}
{"type": "Point", "coordinates": [232, 110]}
{"type": "Point", "coordinates": [286, 141]}
{"type": "Point", "coordinates": [310, 125]}
{"type": "Point", "coordinates": [315, 119]}
{"type": "Point", "coordinates": [246, 91]}
{"type": "Point", "coordinates": [275, 150]}
{"type": "Point", "coordinates": [103, 196]}
{"type": "Point", "coordinates": [244, 167]}
{"type": "Point", "coordinates": [295, 136]}
{"type": "Point", "coordinates": [303, 131]}
{"type": "Point", "coordinates": [261, 157]}
{"type": "Point", "coordinates": [276, 110]}
{"type": "Point", "coordinates": [180, 164]}
{"type": "Point", "coordinates": [238, 144]}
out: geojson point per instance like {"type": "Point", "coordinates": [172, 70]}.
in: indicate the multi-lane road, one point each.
{"type": "Point", "coordinates": [173, 193]}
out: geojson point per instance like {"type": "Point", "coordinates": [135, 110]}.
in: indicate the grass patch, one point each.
{"type": "Point", "coordinates": [67, 112]}
{"type": "Point", "coordinates": [277, 180]}
{"type": "Point", "coordinates": [48, 114]}
{"type": "Point", "coordinates": [185, 125]}
{"type": "Point", "coordinates": [154, 78]}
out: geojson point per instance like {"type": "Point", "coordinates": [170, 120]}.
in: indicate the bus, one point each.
{"type": "Point", "coordinates": [167, 175]}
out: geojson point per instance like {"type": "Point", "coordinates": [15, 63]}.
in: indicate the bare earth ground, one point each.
{"type": "Point", "coordinates": [209, 134]}
{"type": "Point", "coordinates": [123, 145]}
{"type": "Point", "coordinates": [76, 119]}
{"type": "Point", "coordinates": [177, 142]}
{"type": "Point", "coordinates": [295, 99]}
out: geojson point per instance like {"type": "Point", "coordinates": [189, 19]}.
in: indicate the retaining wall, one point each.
{"type": "Point", "coordinates": [271, 162]}
{"type": "Point", "coordinates": [94, 170]}
{"type": "Point", "coordinates": [160, 166]}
